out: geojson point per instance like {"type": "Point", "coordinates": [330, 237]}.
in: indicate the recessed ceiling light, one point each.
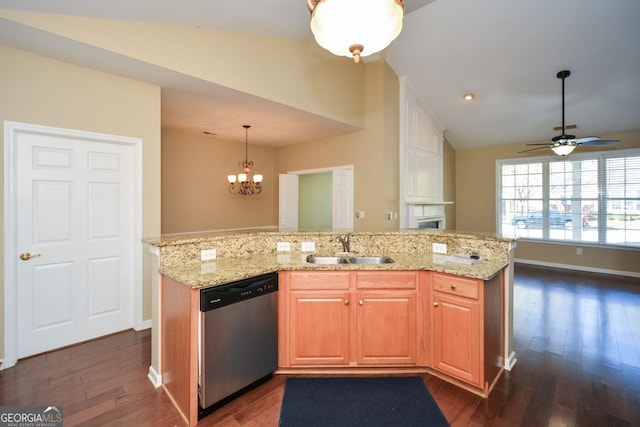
{"type": "Point", "coordinates": [468, 96]}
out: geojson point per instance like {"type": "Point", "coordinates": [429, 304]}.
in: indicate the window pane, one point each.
{"type": "Point", "coordinates": [623, 201]}
{"type": "Point", "coordinates": [590, 197]}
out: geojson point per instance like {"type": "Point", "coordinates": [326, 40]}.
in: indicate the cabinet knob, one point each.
{"type": "Point", "coordinates": [453, 287]}
{"type": "Point", "coordinates": [360, 302]}
{"type": "Point", "coordinates": [346, 302]}
{"type": "Point", "coordinates": [435, 304]}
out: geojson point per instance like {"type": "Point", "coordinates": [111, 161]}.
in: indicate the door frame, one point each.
{"type": "Point", "coordinates": [11, 131]}
{"type": "Point", "coordinates": [331, 169]}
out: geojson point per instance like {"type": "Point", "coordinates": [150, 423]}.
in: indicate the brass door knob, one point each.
{"type": "Point", "coordinates": [25, 256]}
{"type": "Point", "coordinates": [360, 302]}
{"type": "Point", "coordinates": [346, 302]}
{"type": "Point", "coordinates": [453, 287]}
{"type": "Point", "coordinates": [435, 304]}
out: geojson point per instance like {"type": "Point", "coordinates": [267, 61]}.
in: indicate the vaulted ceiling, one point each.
{"type": "Point", "coordinates": [505, 52]}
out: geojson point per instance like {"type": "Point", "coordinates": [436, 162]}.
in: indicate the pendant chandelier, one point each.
{"type": "Point", "coordinates": [245, 183]}
{"type": "Point", "coordinates": [355, 28]}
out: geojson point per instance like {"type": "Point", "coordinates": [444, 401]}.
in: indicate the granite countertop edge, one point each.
{"type": "Point", "coordinates": [224, 270]}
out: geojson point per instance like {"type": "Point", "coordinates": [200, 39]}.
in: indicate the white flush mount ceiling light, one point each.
{"type": "Point", "coordinates": [247, 182]}
{"type": "Point", "coordinates": [355, 28]}
{"type": "Point", "coordinates": [468, 96]}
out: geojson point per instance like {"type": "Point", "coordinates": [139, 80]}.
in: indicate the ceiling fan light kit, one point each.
{"type": "Point", "coordinates": [355, 28]}
{"type": "Point", "coordinates": [564, 144]}
{"type": "Point", "coordinates": [563, 149]}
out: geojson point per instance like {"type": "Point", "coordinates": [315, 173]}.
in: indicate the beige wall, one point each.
{"type": "Point", "coordinates": [373, 151]}
{"type": "Point", "coordinates": [475, 189]}
{"type": "Point", "coordinates": [194, 168]}
{"type": "Point", "coordinates": [195, 194]}
{"type": "Point", "coordinates": [291, 71]}
{"type": "Point", "coordinates": [42, 91]}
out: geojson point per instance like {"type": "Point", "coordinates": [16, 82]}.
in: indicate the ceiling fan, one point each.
{"type": "Point", "coordinates": [564, 144]}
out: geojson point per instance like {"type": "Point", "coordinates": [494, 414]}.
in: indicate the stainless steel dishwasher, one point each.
{"type": "Point", "coordinates": [238, 339]}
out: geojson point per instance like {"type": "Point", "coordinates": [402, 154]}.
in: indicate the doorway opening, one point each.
{"type": "Point", "coordinates": [317, 199]}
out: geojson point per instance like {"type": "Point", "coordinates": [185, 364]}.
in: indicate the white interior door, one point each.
{"type": "Point", "coordinates": [343, 199]}
{"type": "Point", "coordinates": [75, 216]}
{"type": "Point", "coordinates": [288, 201]}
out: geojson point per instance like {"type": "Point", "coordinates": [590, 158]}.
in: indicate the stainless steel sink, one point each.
{"type": "Point", "coordinates": [348, 259]}
{"type": "Point", "coordinates": [327, 259]}
{"type": "Point", "coordinates": [370, 260]}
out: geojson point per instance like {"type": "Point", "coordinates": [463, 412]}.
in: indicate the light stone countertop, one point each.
{"type": "Point", "coordinates": [223, 270]}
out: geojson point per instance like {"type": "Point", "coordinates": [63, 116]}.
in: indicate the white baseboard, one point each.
{"type": "Point", "coordinates": [577, 267]}
{"type": "Point", "coordinates": [511, 361]}
{"type": "Point", "coordinates": [154, 377]}
{"type": "Point", "coordinates": [146, 324]}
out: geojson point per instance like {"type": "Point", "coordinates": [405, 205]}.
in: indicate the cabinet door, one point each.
{"type": "Point", "coordinates": [386, 327]}
{"type": "Point", "coordinates": [456, 337]}
{"type": "Point", "coordinates": [318, 327]}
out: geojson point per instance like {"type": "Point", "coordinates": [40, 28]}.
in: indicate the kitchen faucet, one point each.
{"type": "Point", "coordinates": [345, 242]}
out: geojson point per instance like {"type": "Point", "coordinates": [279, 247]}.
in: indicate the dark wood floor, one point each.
{"type": "Point", "coordinates": [577, 339]}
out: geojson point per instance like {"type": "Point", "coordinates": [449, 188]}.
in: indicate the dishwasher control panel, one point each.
{"type": "Point", "coordinates": [230, 293]}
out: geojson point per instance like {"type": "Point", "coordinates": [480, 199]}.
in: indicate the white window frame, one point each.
{"type": "Point", "coordinates": [602, 198]}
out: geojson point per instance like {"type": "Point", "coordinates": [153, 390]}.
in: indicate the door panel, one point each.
{"type": "Point", "coordinates": [75, 210]}
{"type": "Point", "coordinates": [54, 307]}
{"type": "Point", "coordinates": [288, 201]}
{"type": "Point", "coordinates": [342, 199]}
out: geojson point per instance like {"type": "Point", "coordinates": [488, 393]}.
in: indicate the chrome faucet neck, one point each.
{"type": "Point", "coordinates": [344, 240]}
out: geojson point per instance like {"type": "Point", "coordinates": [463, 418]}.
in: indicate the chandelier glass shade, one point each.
{"type": "Point", "coordinates": [355, 28]}
{"type": "Point", "coordinates": [245, 183]}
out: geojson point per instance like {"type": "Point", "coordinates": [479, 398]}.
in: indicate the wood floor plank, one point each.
{"type": "Point", "coordinates": [576, 337]}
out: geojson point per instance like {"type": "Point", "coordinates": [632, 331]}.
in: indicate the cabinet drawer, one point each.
{"type": "Point", "coordinates": [386, 279]}
{"type": "Point", "coordinates": [456, 285]}
{"type": "Point", "coordinates": [318, 280]}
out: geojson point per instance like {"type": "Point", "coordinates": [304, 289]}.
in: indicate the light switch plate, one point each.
{"type": "Point", "coordinates": [439, 248]}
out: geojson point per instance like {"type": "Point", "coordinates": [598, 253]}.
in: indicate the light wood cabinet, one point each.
{"type": "Point", "coordinates": [386, 318]}
{"type": "Point", "coordinates": [348, 318]}
{"type": "Point", "coordinates": [386, 327]}
{"type": "Point", "coordinates": [467, 329]}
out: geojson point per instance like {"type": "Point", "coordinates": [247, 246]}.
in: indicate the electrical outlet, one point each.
{"type": "Point", "coordinates": [578, 251]}
{"type": "Point", "coordinates": [308, 246]}
{"type": "Point", "coordinates": [207, 254]}
{"type": "Point", "coordinates": [208, 268]}
{"type": "Point", "coordinates": [389, 216]}
{"type": "Point", "coordinates": [283, 246]}
{"type": "Point", "coordinates": [439, 248]}
{"type": "Point", "coordinates": [360, 214]}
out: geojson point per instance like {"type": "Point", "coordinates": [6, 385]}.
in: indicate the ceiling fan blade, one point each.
{"type": "Point", "coordinates": [586, 139]}
{"type": "Point", "coordinates": [534, 149]}
{"type": "Point", "coordinates": [545, 144]}
{"type": "Point", "coordinates": [600, 142]}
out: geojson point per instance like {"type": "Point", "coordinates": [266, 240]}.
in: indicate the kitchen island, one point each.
{"type": "Point", "coordinates": [445, 314]}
